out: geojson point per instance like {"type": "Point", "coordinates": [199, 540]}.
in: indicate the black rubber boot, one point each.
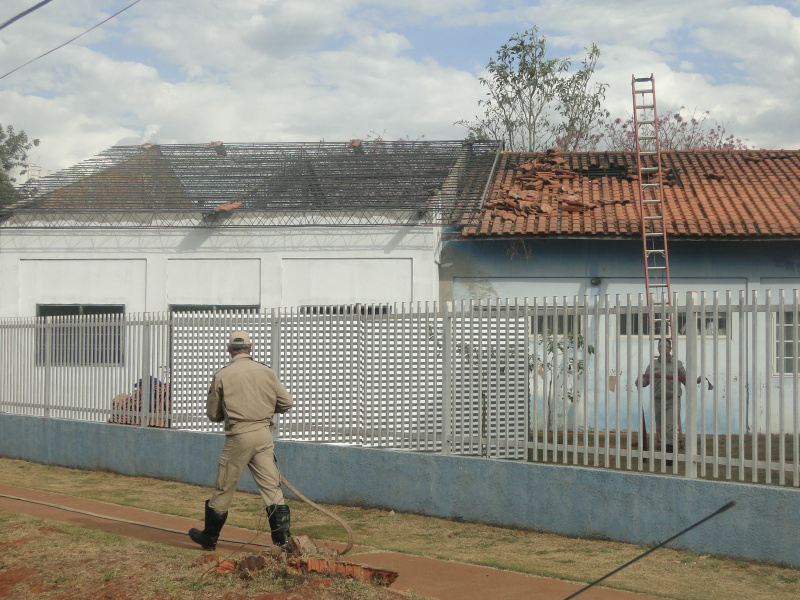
{"type": "Point", "coordinates": [279, 520]}
{"type": "Point", "coordinates": [210, 534]}
{"type": "Point", "coordinates": [669, 450]}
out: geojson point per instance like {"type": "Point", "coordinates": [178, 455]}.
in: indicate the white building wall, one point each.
{"type": "Point", "coordinates": [58, 280]}
{"type": "Point", "coordinates": [314, 281]}
{"type": "Point", "coordinates": [211, 280]}
{"type": "Point", "coordinates": [151, 269]}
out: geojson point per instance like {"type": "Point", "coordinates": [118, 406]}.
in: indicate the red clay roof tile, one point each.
{"type": "Point", "coordinates": [719, 194]}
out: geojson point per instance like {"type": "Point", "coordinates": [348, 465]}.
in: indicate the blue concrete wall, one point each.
{"type": "Point", "coordinates": [574, 501]}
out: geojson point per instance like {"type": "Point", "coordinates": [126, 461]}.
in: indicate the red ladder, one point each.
{"type": "Point", "coordinates": [651, 203]}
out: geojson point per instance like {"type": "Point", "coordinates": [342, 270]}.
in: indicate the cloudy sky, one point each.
{"type": "Point", "coordinates": [190, 71]}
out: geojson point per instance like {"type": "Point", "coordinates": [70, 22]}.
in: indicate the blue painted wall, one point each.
{"type": "Point", "coordinates": [547, 267]}
{"type": "Point", "coordinates": [477, 269]}
{"type": "Point", "coordinates": [574, 501]}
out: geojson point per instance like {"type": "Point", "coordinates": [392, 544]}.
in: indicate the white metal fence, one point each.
{"type": "Point", "coordinates": [548, 380]}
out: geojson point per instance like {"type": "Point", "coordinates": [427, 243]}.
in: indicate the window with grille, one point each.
{"type": "Point", "coordinates": [707, 324]}
{"type": "Point", "coordinates": [787, 330]}
{"type": "Point", "coordinates": [635, 324]}
{"type": "Point", "coordinates": [214, 308]}
{"type": "Point", "coordinates": [80, 334]}
{"type": "Point", "coordinates": [558, 324]}
{"type": "Point", "coordinates": [346, 309]}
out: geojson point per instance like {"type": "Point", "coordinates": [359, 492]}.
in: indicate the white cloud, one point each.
{"type": "Point", "coordinates": [764, 40]}
{"type": "Point", "coordinates": [271, 70]}
{"type": "Point", "coordinates": [736, 59]}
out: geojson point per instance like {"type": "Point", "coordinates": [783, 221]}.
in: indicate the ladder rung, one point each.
{"type": "Point", "coordinates": [656, 262]}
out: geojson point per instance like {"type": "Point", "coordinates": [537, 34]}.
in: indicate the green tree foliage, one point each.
{"type": "Point", "coordinates": [534, 103]}
{"type": "Point", "coordinates": [13, 154]}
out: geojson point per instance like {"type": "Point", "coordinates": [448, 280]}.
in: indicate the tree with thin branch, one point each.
{"type": "Point", "coordinates": [534, 102]}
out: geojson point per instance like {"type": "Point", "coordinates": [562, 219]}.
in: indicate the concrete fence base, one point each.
{"type": "Point", "coordinates": [574, 501]}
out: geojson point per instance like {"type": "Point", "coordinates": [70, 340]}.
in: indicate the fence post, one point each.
{"type": "Point", "coordinates": [48, 363]}
{"type": "Point", "coordinates": [447, 375]}
{"type": "Point", "coordinates": [274, 356]}
{"type": "Point", "coordinates": [146, 379]}
{"type": "Point", "coordinates": [530, 431]}
{"type": "Point", "coordinates": [691, 387]}
{"type": "Point", "coordinates": [274, 341]}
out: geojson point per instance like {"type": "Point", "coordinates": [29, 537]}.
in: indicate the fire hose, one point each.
{"type": "Point", "coordinates": [324, 511]}
{"type": "Point", "coordinates": [294, 490]}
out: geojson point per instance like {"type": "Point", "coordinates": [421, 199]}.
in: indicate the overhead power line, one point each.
{"type": "Point", "coordinates": [24, 12]}
{"type": "Point", "coordinates": [70, 41]}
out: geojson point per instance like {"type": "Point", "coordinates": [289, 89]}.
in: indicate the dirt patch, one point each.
{"type": "Point", "coordinates": [9, 579]}
{"type": "Point", "coordinates": [46, 562]}
{"type": "Point", "coordinates": [5, 545]}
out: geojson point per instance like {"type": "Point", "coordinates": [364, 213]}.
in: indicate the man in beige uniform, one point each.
{"type": "Point", "coordinates": [245, 394]}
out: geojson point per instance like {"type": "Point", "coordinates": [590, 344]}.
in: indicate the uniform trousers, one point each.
{"type": "Point", "coordinates": [253, 449]}
{"type": "Point", "coordinates": [668, 432]}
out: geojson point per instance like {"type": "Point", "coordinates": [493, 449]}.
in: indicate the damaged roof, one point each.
{"type": "Point", "coordinates": [264, 185]}
{"type": "Point", "coordinates": [706, 194]}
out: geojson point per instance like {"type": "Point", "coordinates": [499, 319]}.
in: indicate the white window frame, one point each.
{"type": "Point", "coordinates": [791, 331]}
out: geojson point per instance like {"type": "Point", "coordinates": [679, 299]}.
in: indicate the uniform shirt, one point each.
{"type": "Point", "coordinates": [246, 394]}
{"type": "Point", "coordinates": [668, 372]}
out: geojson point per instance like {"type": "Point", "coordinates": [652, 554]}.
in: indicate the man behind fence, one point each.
{"type": "Point", "coordinates": [245, 395]}
{"type": "Point", "coordinates": [665, 367]}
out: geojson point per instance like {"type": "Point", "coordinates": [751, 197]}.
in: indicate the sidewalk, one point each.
{"type": "Point", "coordinates": [436, 578]}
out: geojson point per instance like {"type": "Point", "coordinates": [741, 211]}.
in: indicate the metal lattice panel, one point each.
{"type": "Point", "coordinates": [263, 185]}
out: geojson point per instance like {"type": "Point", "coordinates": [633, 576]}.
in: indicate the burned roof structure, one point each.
{"type": "Point", "coordinates": [707, 194]}
{"type": "Point", "coordinates": [264, 185]}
